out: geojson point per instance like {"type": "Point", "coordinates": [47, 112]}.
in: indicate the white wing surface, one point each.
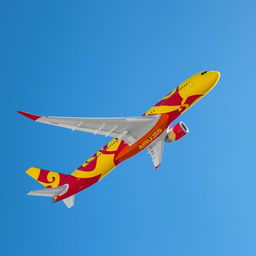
{"type": "Point", "coordinates": [70, 201]}
{"type": "Point", "coordinates": [51, 192]}
{"type": "Point", "coordinates": [155, 151]}
{"type": "Point", "coordinates": [128, 129]}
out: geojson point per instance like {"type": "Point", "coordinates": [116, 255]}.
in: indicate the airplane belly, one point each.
{"type": "Point", "coordinates": [102, 162]}
{"type": "Point", "coordinates": [145, 141]}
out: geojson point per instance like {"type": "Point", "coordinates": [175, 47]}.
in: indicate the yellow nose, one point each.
{"type": "Point", "coordinates": [204, 81]}
{"type": "Point", "coordinates": [214, 77]}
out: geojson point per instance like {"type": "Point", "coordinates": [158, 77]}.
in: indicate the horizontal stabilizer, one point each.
{"type": "Point", "coordinates": [69, 202]}
{"type": "Point", "coordinates": [50, 192]}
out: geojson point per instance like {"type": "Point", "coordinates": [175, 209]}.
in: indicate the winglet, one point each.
{"type": "Point", "coordinates": [31, 116]}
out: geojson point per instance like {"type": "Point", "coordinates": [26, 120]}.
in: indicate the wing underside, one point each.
{"type": "Point", "coordinates": [156, 150]}
{"type": "Point", "coordinates": [127, 129]}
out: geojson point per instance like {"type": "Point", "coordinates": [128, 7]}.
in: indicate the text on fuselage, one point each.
{"type": "Point", "coordinates": [150, 138]}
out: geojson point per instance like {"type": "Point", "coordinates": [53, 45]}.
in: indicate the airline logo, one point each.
{"type": "Point", "coordinates": [150, 138]}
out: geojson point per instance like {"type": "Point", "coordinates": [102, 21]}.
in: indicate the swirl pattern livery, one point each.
{"type": "Point", "coordinates": [130, 136]}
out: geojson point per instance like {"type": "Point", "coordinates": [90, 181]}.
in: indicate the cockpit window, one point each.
{"type": "Point", "coordinates": [203, 73]}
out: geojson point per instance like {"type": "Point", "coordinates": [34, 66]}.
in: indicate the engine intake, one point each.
{"type": "Point", "coordinates": [176, 132]}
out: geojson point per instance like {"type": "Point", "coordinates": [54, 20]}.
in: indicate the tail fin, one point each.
{"type": "Point", "coordinates": [56, 184]}
{"type": "Point", "coordinates": [48, 179]}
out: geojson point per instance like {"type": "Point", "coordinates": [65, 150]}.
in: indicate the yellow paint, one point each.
{"type": "Point", "coordinates": [169, 95]}
{"type": "Point", "coordinates": [33, 172]}
{"type": "Point", "coordinates": [53, 178]}
{"type": "Point", "coordinates": [171, 135]}
{"type": "Point", "coordinates": [88, 161]}
{"type": "Point", "coordinates": [197, 84]}
{"type": "Point", "coordinates": [113, 145]}
{"type": "Point", "coordinates": [161, 110]}
{"type": "Point", "coordinates": [104, 164]}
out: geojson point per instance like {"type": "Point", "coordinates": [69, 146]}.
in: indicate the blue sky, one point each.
{"type": "Point", "coordinates": [117, 58]}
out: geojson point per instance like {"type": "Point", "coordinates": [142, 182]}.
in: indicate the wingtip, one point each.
{"type": "Point", "coordinates": [30, 116]}
{"type": "Point", "coordinates": [156, 167]}
{"type": "Point", "coordinates": [29, 193]}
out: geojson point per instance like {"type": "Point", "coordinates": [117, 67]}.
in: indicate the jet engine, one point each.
{"type": "Point", "coordinates": [176, 132]}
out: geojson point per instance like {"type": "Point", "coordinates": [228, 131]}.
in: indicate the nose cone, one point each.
{"type": "Point", "coordinates": [205, 81]}
{"type": "Point", "coordinates": [214, 77]}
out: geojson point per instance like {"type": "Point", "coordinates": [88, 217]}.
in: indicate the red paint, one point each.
{"type": "Point", "coordinates": [64, 179]}
{"type": "Point", "coordinates": [89, 166]}
{"type": "Point", "coordinates": [31, 116]}
{"type": "Point", "coordinates": [77, 186]}
{"type": "Point", "coordinates": [173, 100]}
{"type": "Point", "coordinates": [191, 99]}
{"type": "Point", "coordinates": [178, 131]}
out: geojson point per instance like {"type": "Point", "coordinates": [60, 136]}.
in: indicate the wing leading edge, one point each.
{"type": "Point", "coordinates": [128, 129]}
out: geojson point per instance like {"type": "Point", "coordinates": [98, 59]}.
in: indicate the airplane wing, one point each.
{"type": "Point", "coordinates": [156, 151]}
{"type": "Point", "coordinates": [127, 129]}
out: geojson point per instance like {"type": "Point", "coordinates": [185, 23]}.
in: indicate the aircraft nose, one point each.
{"type": "Point", "coordinates": [214, 77]}
{"type": "Point", "coordinates": [204, 81]}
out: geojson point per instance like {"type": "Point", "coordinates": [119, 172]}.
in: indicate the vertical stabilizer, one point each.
{"type": "Point", "coordinates": [50, 179]}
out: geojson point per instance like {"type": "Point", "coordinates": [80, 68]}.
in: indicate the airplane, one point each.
{"type": "Point", "coordinates": [131, 135]}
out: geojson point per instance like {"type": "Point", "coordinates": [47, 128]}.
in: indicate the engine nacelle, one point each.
{"type": "Point", "coordinates": [176, 132]}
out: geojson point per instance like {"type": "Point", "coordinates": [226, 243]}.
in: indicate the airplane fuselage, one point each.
{"type": "Point", "coordinates": [116, 151]}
